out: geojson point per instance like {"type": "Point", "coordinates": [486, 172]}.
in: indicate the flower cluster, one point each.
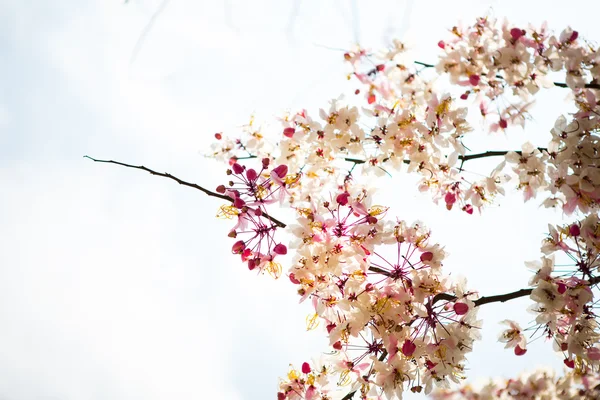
{"type": "Point", "coordinates": [393, 318]}
{"type": "Point", "coordinates": [537, 385]}
{"type": "Point", "coordinates": [251, 191]}
{"type": "Point", "coordinates": [564, 296]}
{"type": "Point", "coordinates": [390, 319]}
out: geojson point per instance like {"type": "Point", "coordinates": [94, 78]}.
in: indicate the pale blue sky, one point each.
{"type": "Point", "coordinates": [118, 285]}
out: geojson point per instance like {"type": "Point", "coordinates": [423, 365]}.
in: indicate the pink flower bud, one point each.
{"type": "Point", "coordinates": [342, 199]}
{"type": "Point", "coordinates": [239, 203]}
{"type": "Point", "coordinates": [330, 326]}
{"type": "Point", "coordinates": [221, 189]}
{"type": "Point", "coordinates": [280, 249]}
{"type": "Point", "coordinates": [574, 36]}
{"type": "Point", "coordinates": [246, 254]}
{"type": "Point", "coordinates": [520, 351]}
{"type": "Point", "coordinates": [218, 136]}
{"type": "Point", "coordinates": [251, 174]}
{"type": "Point", "coordinates": [238, 247]}
{"type": "Point", "coordinates": [408, 348]}
{"type": "Point", "coordinates": [430, 364]}
{"type": "Point", "coordinates": [281, 171]}
{"type": "Point", "coordinates": [289, 132]}
{"type": "Point", "coordinates": [502, 123]}
{"type": "Point", "coordinates": [465, 95]}
{"type": "Point", "coordinates": [441, 44]}
{"type": "Point", "coordinates": [474, 80]}
{"type": "Point", "coordinates": [468, 209]}
{"type": "Point", "coordinates": [306, 368]}
{"type": "Point", "coordinates": [450, 198]}
{"type": "Point", "coordinates": [371, 99]}
{"type": "Point", "coordinates": [562, 288]}
{"type": "Point", "coordinates": [265, 162]}
{"type": "Point", "coordinates": [281, 396]}
{"type": "Point", "coordinates": [237, 168]}
{"type": "Point", "coordinates": [516, 33]}
{"type": "Point", "coordinates": [574, 230]}
{"type": "Point", "coordinates": [380, 67]}
{"type": "Point", "coordinates": [461, 308]}
{"type": "Point", "coordinates": [427, 256]}
{"type": "Point", "coordinates": [569, 363]}
{"type": "Point", "coordinates": [258, 212]}
{"type": "Point", "coordinates": [252, 263]}
{"type": "Point", "coordinates": [337, 345]}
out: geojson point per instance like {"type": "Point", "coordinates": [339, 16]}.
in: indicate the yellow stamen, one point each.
{"type": "Point", "coordinates": [312, 321]}
{"type": "Point", "coordinates": [228, 212]}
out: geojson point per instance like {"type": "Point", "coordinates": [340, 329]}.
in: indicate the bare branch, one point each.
{"type": "Point", "coordinates": [182, 182]}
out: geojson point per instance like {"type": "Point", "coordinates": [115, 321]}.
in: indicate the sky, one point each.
{"type": "Point", "coordinates": [115, 284]}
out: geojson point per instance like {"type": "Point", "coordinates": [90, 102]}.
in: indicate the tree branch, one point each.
{"type": "Point", "coordinates": [557, 84]}
{"type": "Point", "coordinates": [182, 182]}
{"type": "Point", "coordinates": [462, 159]}
{"type": "Point", "coordinates": [500, 297]}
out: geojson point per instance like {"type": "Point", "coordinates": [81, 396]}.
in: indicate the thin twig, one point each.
{"type": "Point", "coordinates": [182, 182]}
{"type": "Point", "coordinates": [146, 30]}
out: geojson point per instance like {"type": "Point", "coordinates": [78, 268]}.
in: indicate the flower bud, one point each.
{"type": "Point", "coordinates": [237, 168]}
{"type": "Point", "coordinates": [574, 230]}
{"type": "Point", "coordinates": [427, 256]}
{"type": "Point", "coordinates": [251, 174]}
{"type": "Point", "coordinates": [238, 247]}
{"type": "Point", "coordinates": [461, 308]}
{"type": "Point", "coordinates": [239, 203]}
{"type": "Point", "coordinates": [289, 132]}
{"type": "Point", "coordinates": [342, 199]}
{"type": "Point", "coordinates": [519, 351]}
{"type": "Point", "coordinates": [280, 249]}
{"type": "Point", "coordinates": [306, 368]}
{"type": "Point", "coordinates": [281, 171]}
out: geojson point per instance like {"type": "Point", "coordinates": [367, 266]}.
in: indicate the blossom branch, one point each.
{"type": "Point", "coordinates": [500, 297]}
{"type": "Point", "coordinates": [462, 159]}
{"type": "Point", "coordinates": [182, 182]}
{"type": "Point", "coordinates": [592, 85]}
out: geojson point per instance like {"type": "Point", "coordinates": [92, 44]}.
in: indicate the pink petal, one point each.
{"type": "Point", "coordinates": [408, 348]}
